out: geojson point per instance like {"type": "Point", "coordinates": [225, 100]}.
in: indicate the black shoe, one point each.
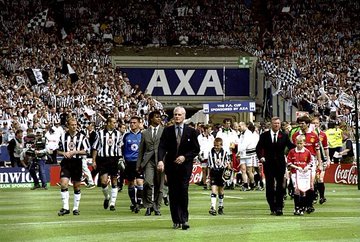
{"type": "Point", "coordinates": [166, 201]}
{"type": "Point", "coordinates": [76, 212]}
{"type": "Point", "coordinates": [148, 212]}
{"type": "Point", "coordinates": [35, 187]}
{"type": "Point", "coordinates": [44, 187]}
{"type": "Point", "coordinates": [322, 200]}
{"type": "Point", "coordinates": [212, 211]}
{"type": "Point", "coordinates": [310, 210]}
{"type": "Point", "coordinates": [221, 210]}
{"type": "Point", "coordinates": [106, 203]}
{"type": "Point", "coordinates": [136, 209]}
{"type": "Point", "coordinates": [185, 226]}
{"type": "Point", "coordinates": [112, 208]}
{"type": "Point", "coordinates": [157, 213]}
{"type": "Point", "coordinates": [279, 212]}
{"type": "Point", "coordinates": [62, 212]}
{"type": "Point", "coordinates": [132, 207]}
{"type": "Point", "coordinates": [176, 226]}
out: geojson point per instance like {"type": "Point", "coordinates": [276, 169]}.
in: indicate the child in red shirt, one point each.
{"type": "Point", "coordinates": [299, 160]}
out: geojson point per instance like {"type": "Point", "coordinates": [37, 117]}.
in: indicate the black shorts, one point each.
{"type": "Point", "coordinates": [130, 171]}
{"type": "Point", "coordinates": [71, 168]}
{"type": "Point", "coordinates": [107, 165]}
{"type": "Point", "coordinates": [216, 177]}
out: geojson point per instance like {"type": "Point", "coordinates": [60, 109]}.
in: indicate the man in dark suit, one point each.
{"type": "Point", "coordinates": [147, 162]}
{"type": "Point", "coordinates": [180, 145]}
{"type": "Point", "coordinates": [271, 152]}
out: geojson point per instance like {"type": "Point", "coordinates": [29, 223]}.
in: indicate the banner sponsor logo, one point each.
{"type": "Point", "coordinates": [14, 175]}
{"type": "Point", "coordinates": [346, 175]}
{"type": "Point", "coordinates": [191, 82]}
{"type": "Point", "coordinates": [196, 175]}
{"type": "Point", "coordinates": [239, 106]}
{"type": "Point", "coordinates": [18, 177]}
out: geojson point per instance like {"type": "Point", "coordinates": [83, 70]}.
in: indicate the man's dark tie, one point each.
{"type": "Point", "coordinates": [154, 133]}
{"type": "Point", "coordinates": [178, 136]}
{"type": "Point", "coordinates": [274, 140]}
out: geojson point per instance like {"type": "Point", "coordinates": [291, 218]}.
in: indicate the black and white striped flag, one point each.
{"type": "Point", "coordinates": [37, 76]}
{"type": "Point", "coordinates": [38, 20]}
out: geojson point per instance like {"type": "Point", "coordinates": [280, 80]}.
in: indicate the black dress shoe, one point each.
{"type": "Point", "coordinates": [148, 212]}
{"type": "Point", "coordinates": [279, 213]}
{"type": "Point", "coordinates": [157, 212]}
{"type": "Point", "coordinates": [166, 201]}
{"type": "Point", "coordinates": [185, 226]}
{"type": "Point", "coordinates": [176, 226]}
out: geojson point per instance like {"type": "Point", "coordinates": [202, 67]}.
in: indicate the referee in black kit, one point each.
{"type": "Point", "coordinates": [105, 157]}
{"type": "Point", "coordinates": [72, 146]}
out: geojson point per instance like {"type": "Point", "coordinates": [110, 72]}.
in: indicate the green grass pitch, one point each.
{"type": "Point", "coordinates": [32, 216]}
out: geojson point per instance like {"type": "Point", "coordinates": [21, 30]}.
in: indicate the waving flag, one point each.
{"type": "Point", "coordinates": [38, 20]}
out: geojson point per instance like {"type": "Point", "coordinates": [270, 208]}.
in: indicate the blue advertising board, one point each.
{"type": "Point", "coordinates": [229, 107]}
{"type": "Point", "coordinates": [11, 177]}
{"type": "Point", "coordinates": [191, 82]}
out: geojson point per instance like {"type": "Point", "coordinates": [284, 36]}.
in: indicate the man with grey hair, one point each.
{"type": "Point", "coordinates": [179, 144]}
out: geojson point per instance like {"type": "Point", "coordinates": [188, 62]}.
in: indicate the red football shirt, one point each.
{"type": "Point", "coordinates": [311, 140]}
{"type": "Point", "coordinates": [298, 158]}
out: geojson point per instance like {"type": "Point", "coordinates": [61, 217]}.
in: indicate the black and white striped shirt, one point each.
{"type": "Point", "coordinates": [218, 160]}
{"type": "Point", "coordinates": [108, 143]}
{"type": "Point", "coordinates": [77, 142]}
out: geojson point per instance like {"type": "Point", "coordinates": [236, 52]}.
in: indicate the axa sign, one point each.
{"type": "Point", "coordinates": [191, 82]}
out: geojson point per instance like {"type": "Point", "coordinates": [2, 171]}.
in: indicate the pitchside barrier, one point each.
{"type": "Point", "coordinates": [17, 177]}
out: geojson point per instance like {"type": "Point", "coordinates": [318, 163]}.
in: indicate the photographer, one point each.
{"type": "Point", "coordinates": [34, 156]}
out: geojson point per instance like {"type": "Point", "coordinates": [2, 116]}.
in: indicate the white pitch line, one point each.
{"type": "Point", "coordinates": [137, 219]}
{"type": "Point", "coordinates": [240, 198]}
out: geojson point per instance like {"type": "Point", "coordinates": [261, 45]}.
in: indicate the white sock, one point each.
{"type": "Point", "coordinates": [77, 198]}
{"type": "Point", "coordinates": [65, 200]}
{"type": "Point", "coordinates": [114, 193]}
{"type": "Point", "coordinates": [106, 192]}
{"type": "Point", "coordinates": [221, 200]}
{"type": "Point", "coordinates": [213, 201]}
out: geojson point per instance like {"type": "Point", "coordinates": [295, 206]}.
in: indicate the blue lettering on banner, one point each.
{"type": "Point", "coordinates": [230, 107]}
{"type": "Point", "coordinates": [191, 82]}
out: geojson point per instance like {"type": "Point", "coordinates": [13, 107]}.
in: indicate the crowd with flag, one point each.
{"type": "Point", "coordinates": [311, 56]}
{"type": "Point", "coordinates": [57, 53]}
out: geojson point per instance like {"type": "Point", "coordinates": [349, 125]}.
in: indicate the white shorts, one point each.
{"type": "Point", "coordinates": [249, 161]}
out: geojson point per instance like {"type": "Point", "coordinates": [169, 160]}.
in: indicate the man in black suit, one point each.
{"type": "Point", "coordinates": [180, 145]}
{"type": "Point", "coordinates": [271, 152]}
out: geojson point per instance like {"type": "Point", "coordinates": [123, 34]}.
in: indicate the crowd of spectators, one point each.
{"type": "Point", "coordinates": [320, 39]}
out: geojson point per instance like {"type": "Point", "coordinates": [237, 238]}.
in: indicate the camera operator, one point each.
{"type": "Point", "coordinates": [34, 156]}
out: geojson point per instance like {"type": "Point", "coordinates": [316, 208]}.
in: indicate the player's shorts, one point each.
{"type": "Point", "coordinates": [130, 171]}
{"type": "Point", "coordinates": [71, 168]}
{"type": "Point", "coordinates": [216, 177]}
{"type": "Point", "coordinates": [107, 165]}
{"type": "Point", "coordinates": [249, 160]}
{"type": "Point", "coordinates": [314, 163]}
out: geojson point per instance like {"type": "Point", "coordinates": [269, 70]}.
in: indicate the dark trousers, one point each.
{"type": "Point", "coordinates": [275, 188]}
{"type": "Point", "coordinates": [32, 169]}
{"type": "Point", "coordinates": [178, 182]}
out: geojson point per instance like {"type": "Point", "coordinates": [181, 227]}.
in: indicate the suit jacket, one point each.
{"type": "Point", "coordinates": [274, 154]}
{"type": "Point", "coordinates": [148, 147]}
{"type": "Point", "coordinates": [189, 147]}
